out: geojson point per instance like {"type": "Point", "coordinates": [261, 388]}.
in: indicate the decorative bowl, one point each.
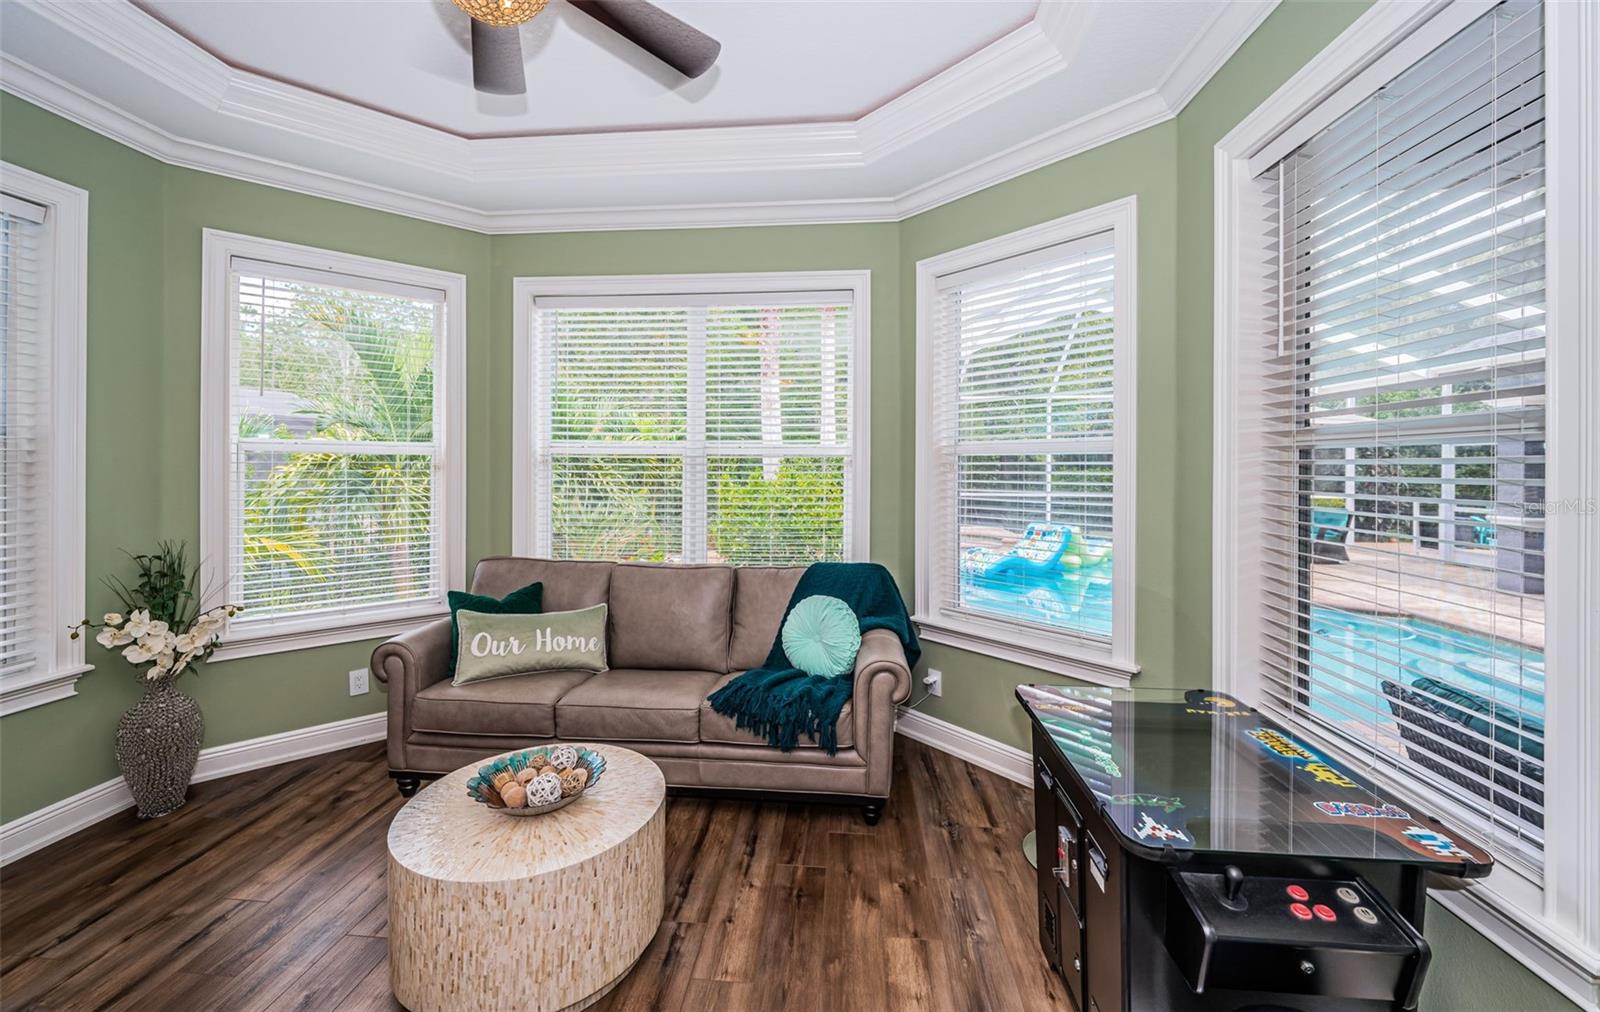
{"type": "Point", "coordinates": [537, 780]}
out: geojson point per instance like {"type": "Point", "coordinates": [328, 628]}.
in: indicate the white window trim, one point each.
{"type": "Point", "coordinates": [1025, 643]}
{"type": "Point", "coordinates": [245, 639]}
{"type": "Point", "coordinates": [525, 289]}
{"type": "Point", "coordinates": [67, 210]}
{"type": "Point", "coordinates": [1547, 919]}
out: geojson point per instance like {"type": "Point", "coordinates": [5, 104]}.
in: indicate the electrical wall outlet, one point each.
{"type": "Point", "coordinates": [358, 682]}
{"type": "Point", "coordinates": [934, 680]}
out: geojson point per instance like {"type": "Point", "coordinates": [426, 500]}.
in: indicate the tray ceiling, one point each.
{"type": "Point", "coordinates": [818, 110]}
{"type": "Point", "coordinates": [781, 62]}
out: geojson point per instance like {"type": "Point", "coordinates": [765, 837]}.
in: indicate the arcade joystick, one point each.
{"type": "Point", "coordinates": [1233, 888]}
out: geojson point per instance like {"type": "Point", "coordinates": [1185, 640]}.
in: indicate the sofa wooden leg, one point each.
{"type": "Point", "coordinates": [408, 785]}
{"type": "Point", "coordinates": [872, 812]}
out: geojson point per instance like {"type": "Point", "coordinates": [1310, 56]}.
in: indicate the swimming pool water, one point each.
{"type": "Point", "coordinates": [1352, 653]}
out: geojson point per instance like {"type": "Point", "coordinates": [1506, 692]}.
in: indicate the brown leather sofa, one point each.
{"type": "Point", "coordinates": [676, 633]}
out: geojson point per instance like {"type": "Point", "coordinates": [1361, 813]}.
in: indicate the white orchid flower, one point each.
{"type": "Point", "coordinates": [138, 654]}
{"type": "Point", "coordinates": [157, 628]}
{"type": "Point", "coordinates": [107, 638]}
{"type": "Point", "coordinates": [138, 623]}
{"type": "Point", "coordinates": [112, 618]}
{"type": "Point", "coordinates": [189, 639]}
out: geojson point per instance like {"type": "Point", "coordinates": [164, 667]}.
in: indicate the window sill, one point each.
{"type": "Point", "coordinates": [1098, 667]}
{"type": "Point", "coordinates": [24, 692]}
{"type": "Point", "coordinates": [320, 631]}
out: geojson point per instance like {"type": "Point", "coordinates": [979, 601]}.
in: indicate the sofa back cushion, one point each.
{"type": "Point", "coordinates": [568, 586]}
{"type": "Point", "coordinates": [670, 616]}
{"type": "Point", "coordinates": [760, 593]}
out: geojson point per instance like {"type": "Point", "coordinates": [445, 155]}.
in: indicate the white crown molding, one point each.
{"type": "Point", "coordinates": [1103, 127]}
{"type": "Point", "coordinates": [28, 833]}
{"type": "Point", "coordinates": [1216, 45]}
{"type": "Point", "coordinates": [1023, 58]}
{"type": "Point", "coordinates": [1030, 54]}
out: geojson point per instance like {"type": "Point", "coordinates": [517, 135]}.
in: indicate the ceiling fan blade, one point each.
{"type": "Point", "coordinates": [680, 46]}
{"type": "Point", "coordinates": [497, 60]}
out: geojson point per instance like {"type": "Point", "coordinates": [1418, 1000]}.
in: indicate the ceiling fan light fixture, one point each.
{"type": "Point", "coordinates": [502, 13]}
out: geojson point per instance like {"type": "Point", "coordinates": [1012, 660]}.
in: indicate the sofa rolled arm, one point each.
{"type": "Point", "coordinates": [882, 679]}
{"type": "Point", "coordinates": [416, 659]}
{"type": "Point", "coordinates": [410, 663]}
{"type": "Point", "coordinates": [881, 652]}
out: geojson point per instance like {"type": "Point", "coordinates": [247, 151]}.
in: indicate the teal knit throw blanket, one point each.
{"type": "Point", "coordinates": [778, 701]}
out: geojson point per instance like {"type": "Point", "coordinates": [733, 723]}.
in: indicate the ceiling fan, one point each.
{"type": "Point", "coordinates": [497, 47]}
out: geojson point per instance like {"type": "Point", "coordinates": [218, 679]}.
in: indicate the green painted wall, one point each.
{"type": "Point", "coordinates": [145, 222]}
{"type": "Point", "coordinates": [143, 442]}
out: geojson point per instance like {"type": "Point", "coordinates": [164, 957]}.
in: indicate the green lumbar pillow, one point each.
{"type": "Point", "coordinates": [494, 646]}
{"type": "Point", "coordinates": [821, 636]}
{"type": "Point", "coordinates": [527, 601]}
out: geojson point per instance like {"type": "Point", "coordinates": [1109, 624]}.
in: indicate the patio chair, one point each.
{"type": "Point", "coordinates": [1446, 730]}
{"type": "Point", "coordinates": [1330, 531]}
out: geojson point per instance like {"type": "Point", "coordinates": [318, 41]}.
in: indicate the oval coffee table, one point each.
{"type": "Point", "coordinates": [488, 911]}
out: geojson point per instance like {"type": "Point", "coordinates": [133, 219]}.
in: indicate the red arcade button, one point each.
{"type": "Point", "coordinates": [1300, 910]}
{"type": "Point", "coordinates": [1325, 912]}
{"type": "Point", "coordinates": [1298, 892]}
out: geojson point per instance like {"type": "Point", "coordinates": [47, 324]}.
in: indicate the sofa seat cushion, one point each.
{"type": "Point", "coordinates": [518, 705]}
{"type": "Point", "coordinates": [632, 704]}
{"type": "Point", "coordinates": [714, 727]}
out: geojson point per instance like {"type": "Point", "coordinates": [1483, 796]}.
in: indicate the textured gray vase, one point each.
{"type": "Point", "coordinates": [158, 743]}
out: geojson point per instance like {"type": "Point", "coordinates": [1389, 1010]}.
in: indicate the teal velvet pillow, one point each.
{"type": "Point", "coordinates": [527, 601]}
{"type": "Point", "coordinates": [821, 636]}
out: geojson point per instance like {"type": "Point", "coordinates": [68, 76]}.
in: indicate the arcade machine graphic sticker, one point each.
{"type": "Point", "coordinates": [1386, 820]}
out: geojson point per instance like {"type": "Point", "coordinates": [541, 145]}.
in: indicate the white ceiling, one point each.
{"type": "Point", "coordinates": [781, 62]}
{"type": "Point", "coordinates": [818, 110]}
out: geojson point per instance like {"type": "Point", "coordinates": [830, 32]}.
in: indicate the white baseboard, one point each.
{"type": "Point", "coordinates": [38, 829]}
{"type": "Point", "coordinates": [986, 753]}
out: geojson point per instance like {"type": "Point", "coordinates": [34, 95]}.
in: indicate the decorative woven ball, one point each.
{"type": "Point", "coordinates": [572, 781]}
{"type": "Point", "coordinates": [525, 774]}
{"type": "Point", "coordinates": [502, 13]}
{"type": "Point", "coordinates": [515, 796]}
{"type": "Point", "coordinates": [563, 757]}
{"type": "Point", "coordinates": [544, 789]}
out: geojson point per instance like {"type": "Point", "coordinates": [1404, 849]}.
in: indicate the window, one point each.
{"type": "Point", "coordinates": [1410, 483]}
{"type": "Point", "coordinates": [1406, 518]}
{"type": "Point", "coordinates": [1025, 425]}
{"type": "Point", "coordinates": [332, 486]}
{"type": "Point", "coordinates": [692, 419]}
{"type": "Point", "coordinates": [43, 250]}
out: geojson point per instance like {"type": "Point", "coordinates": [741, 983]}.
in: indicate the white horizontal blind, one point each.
{"type": "Point", "coordinates": [694, 428]}
{"type": "Point", "coordinates": [335, 504]}
{"type": "Point", "coordinates": [24, 435]}
{"type": "Point", "coordinates": [1023, 423]}
{"type": "Point", "coordinates": [1406, 594]}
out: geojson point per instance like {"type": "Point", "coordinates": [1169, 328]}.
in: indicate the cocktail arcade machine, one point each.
{"type": "Point", "coordinates": [1193, 854]}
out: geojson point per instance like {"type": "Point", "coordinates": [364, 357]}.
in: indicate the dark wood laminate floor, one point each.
{"type": "Point", "coordinates": [267, 892]}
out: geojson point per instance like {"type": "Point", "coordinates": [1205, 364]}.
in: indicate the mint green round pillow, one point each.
{"type": "Point", "coordinates": [822, 636]}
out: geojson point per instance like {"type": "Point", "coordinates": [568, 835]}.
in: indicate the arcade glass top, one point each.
{"type": "Point", "coordinates": [1197, 770]}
